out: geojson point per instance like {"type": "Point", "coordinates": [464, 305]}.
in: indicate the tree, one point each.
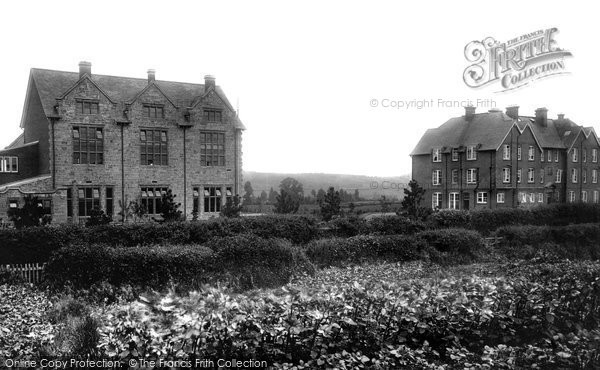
{"type": "Point", "coordinates": [263, 197]}
{"type": "Point", "coordinates": [248, 193]}
{"type": "Point", "coordinates": [169, 209]}
{"type": "Point", "coordinates": [385, 204]}
{"type": "Point", "coordinates": [413, 196]}
{"type": "Point", "coordinates": [330, 205]}
{"type": "Point", "coordinates": [133, 209]}
{"type": "Point", "coordinates": [98, 217]}
{"type": "Point", "coordinates": [320, 195]}
{"type": "Point", "coordinates": [356, 195]}
{"type": "Point", "coordinates": [272, 196]}
{"type": "Point", "coordinates": [293, 187]}
{"type": "Point", "coordinates": [286, 202]}
{"type": "Point", "coordinates": [27, 216]}
{"type": "Point", "coordinates": [232, 207]}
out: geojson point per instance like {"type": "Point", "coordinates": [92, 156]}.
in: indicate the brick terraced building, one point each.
{"type": "Point", "coordinates": [501, 159]}
{"type": "Point", "coordinates": [93, 141]}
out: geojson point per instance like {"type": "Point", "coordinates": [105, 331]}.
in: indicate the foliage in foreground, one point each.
{"type": "Point", "coordinates": [527, 315]}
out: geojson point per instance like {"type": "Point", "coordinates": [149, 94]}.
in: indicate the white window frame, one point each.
{"type": "Point", "coordinates": [519, 153]}
{"type": "Point", "coordinates": [574, 155]}
{"type": "Point", "coordinates": [595, 196]}
{"type": "Point", "coordinates": [584, 176]}
{"type": "Point", "coordinates": [542, 156]}
{"type": "Point", "coordinates": [584, 155]}
{"type": "Point", "coordinates": [436, 177]}
{"type": "Point", "coordinates": [6, 164]}
{"type": "Point", "coordinates": [453, 172]}
{"type": "Point", "coordinates": [454, 154]}
{"type": "Point", "coordinates": [506, 175]}
{"type": "Point", "coordinates": [584, 196]}
{"type": "Point", "coordinates": [542, 175]}
{"type": "Point", "coordinates": [594, 155]}
{"type": "Point", "coordinates": [549, 155]}
{"type": "Point", "coordinates": [522, 197]}
{"type": "Point", "coordinates": [482, 197]}
{"type": "Point", "coordinates": [519, 175]}
{"type": "Point", "coordinates": [530, 175]}
{"type": "Point", "coordinates": [574, 175]}
{"type": "Point", "coordinates": [540, 197]}
{"type": "Point", "coordinates": [506, 152]}
{"type": "Point", "coordinates": [531, 197]}
{"type": "Point", "coordinates": [436, 200]}
{"type": "Point", "coordinates": [531, 153]}
{"type": "Point", "coordinates": [558, 175]}
{"type": "Point", "coordinates": [500, 197]}
{"type": "Point", "coordinates": [594, 176]}
{"type": "Point", "coordinates": [436, 155]}
{"type": "Point", "coordinates": [453, 200]}
{"type": "Point", "coordinates": [556, 154]}
{"type": "Point", "coordinates": [571, 196]}
{"type": "Point", "coordinates": [472, 176]}
{"type": "Point", "coordinates": [471, 153]}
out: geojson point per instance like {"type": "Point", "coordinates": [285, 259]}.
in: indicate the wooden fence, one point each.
{"type": "Point", "coordinates": [30, 272]}
{"type": "Point", "coordinates": [495, 240]}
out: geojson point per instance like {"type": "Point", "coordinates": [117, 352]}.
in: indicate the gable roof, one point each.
{"type": "Point", "coordinates": [19, 141]}
{"type": "Point", "coordinates": [489, 130]}
{"type": "Point", "coordinates": [53, 84]}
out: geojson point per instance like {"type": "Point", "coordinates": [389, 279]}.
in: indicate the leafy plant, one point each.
{"type": "Point", "coordinates": [232, 207]}
{"type": "Point", "coordinates": [169, 209]}
{"type": "Point", "coordinates": [98, 217]}
{"type": "Point", "coordinates": [330, 204]}
{"type": "Point", "coordinates": [29, 215]}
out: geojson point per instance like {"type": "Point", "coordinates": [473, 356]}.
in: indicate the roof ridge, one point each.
{"type": "Point", "coordinates": [114, 76]}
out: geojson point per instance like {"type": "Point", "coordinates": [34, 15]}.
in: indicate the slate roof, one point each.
{"type": "Point", "coordinates": [53, 84]}
{"type": "Point", "coordinates": [19, 141]}
{"type": "Point", "coordinates": [489, 130]}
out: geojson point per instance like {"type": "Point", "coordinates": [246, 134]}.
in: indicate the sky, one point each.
{"type": "Point", "coordinates": [317, 83]}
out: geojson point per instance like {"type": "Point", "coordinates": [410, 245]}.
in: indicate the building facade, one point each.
{"type": "Point", "coordinates": [103, 141]}
{"type": "Point", "coordinates": [501, 159]}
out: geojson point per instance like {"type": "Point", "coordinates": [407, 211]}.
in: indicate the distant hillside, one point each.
{"type": "Point", "coordinates": [369, 187]}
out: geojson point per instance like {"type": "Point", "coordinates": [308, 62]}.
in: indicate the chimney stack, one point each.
{"type": "Point", "coordinates": [151, 76]}
{"type": "Point", "coordinates": [561, 116]}
{"type": "Point", "coordinates": [513, 111]}
{"type": "Point", "coordinates": [85, 68]}
{"type": "Point", "coordinates": [209, 82]}
{"type": "Point", "coordinates": [541, 117]}
{"type": "Point", "coordinates": [469, 112]}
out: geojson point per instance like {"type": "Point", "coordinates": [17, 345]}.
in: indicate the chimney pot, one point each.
{"type": "Point", "coordinates": [85, 68]}
{"type": "Point", "coordinates": [151, 75]}
{"type": "Point", "coordinates": [469, 112]}
{"type": "Point", "coordinates": [561, 116]}
{"type": "Point", "coordinates": [541, 116]}
{"type": "Point", "coordinates": [513, 111]}
{"type": "Point", "coordinates": [209, 82]}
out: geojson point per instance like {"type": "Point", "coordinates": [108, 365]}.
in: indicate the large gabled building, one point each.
{"type": "Point", "coordinates": [93, 140]}
{"type": "Point", "coordinates": [502, 159]}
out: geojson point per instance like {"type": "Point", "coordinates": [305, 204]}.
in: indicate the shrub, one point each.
{"type": "Point", "coordinates": [578, 241]}
{"type": "Point", "coordinates": [394, 225]}
{"type": "Point", "coordinates": [83, 265]}
{"type": "Point", "coordinates": [450, 218]}
{"type": "Point", "coordinates": [347, 226]}
{"type": "Point", "coordinates": [251, 262]}
{"type": "Point", "coordinates": [454, 245]}
{"type": "Point", "coordinates": [98, 217]}
{"type": "Point", "coordinates": [35, 244]}
{"type": "Point", "coordinates": [358, 249]}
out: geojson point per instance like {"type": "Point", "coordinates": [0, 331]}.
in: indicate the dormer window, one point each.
{"type": "Point", "coordinates": [9, 164]}
{"type": "Point", "coordinates": [471, 153]}
{"type": "Point", "coordinates": [153, 111]}
{"type": "Point", "coordinates": [436, 155]}
{"type": "Point", "coordinates": [212, 115]}
{"type": "Point", "coordinates": [87, 107]}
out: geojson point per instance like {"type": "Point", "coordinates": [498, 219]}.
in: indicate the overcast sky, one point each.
{"type": "Point", "coordinates": [305, 73]}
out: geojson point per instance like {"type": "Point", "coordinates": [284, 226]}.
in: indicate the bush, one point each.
{"type": "Point", "coordinates": [250, 262]}
{"type": "Point", "coordinates": [394, 225]}
{"type": "Point", "coordinates": [578, 241]}
{"type": "Point", "coordinates": [358, 249]}
{"type": "Point", "coordinates": [29, 245]}
{"type": "Point", "coordinates": [454, 245]}
{"type": "Point", "coordinates": [450, 218]}
{"type": "Point", "coordinates": [82, 266]}
{"type": "Point", "coordinates": [347, 226]}
{"type": "Point", "coordinates": [244, 261]}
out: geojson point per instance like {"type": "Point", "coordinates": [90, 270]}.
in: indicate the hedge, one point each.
{"type": "Point", "coordinates": [580, 241]}
{"type": "Point", "coordinates": [243, 261]}
{"type": "Point", "coordinates": [385, 225]}
{"type": "Point", "coordinates": [340, 251]}
{"type": "Point", "coordinates": [487, 220]}
{"type": "Point", "coordinates": [440, 246]}
{"type": "Point", "coordinates": [36, 244]}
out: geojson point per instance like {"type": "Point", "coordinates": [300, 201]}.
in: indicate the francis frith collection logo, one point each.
{"type": "Point", "coordinates": [516, 62]}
